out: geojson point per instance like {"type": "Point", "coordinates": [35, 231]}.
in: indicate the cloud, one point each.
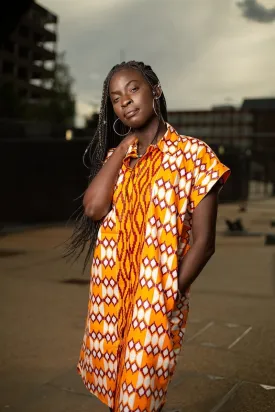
{"type": "Point", "coordinates": [202, 52]}
{"type": "Point", "coordinates": [255, 11]}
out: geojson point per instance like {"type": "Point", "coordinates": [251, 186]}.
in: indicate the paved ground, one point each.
{"type": "Point", "coordinates": [228, 363]}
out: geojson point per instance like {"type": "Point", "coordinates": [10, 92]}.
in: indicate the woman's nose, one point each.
{"type": "Point", "coordinates": [126, 101]}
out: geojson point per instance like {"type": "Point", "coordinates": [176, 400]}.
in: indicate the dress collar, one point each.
{"type": "Point", "coordinates": [167, 144]}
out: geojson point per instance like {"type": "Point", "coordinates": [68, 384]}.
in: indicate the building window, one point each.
{"type": "Point", "coordinates": [182, 118]}
{"type": "Point", "coordinates": [247, 131]}
{"type": "Point", "coordinates": [237, 117]}
{"type": "Point", "coordinates": [185, 118]}
{"type": "Point", "coordinates": [23, 52]}
{"type": "Point", "coordinates": [7, 67]}
{"type": "Point", "coordinates": [216, 140]}
{"type": "Point", "coordinates": [217, 118]}
{"type": "Point", "coordinates": [243, 143]}
{"type": "Point", "coordinates": [36, 75]}
{"type": "Point", "coordinates": [192, 131]}
{"type": "Point", "coordinates": [227, 131]}
{"type": "Point", "coordinates": [243, 117]}
{"type": "Point", "coordinates": [182, 131]}
{"type": "Point", "coordinates": [199, 118]}
{"type": "Point", "coordinates": [226, 141]}
{"type": "Point", "coordinates": [38, 38]}
{"type": "Point", "coordinates": [174, 118]}
{"type": "Point", "coordinates": [22, 73]}
{"type": "Point", "coordinates": [218, 131]}
{"type": "Point", "coordinates": [248, 117]}
{"type": "Point", "coordinates": [37, 59]}
{"type": "Point", "coordinates": [35, 96]}
{"type": "Point", "coordinates": [23, 31]}
{"type": "Point", "coordinates": [235, 131]}
{"type": "Point", "coordinates": [206, 131]}
{"type": "Point", "coordinates": [23, 93]}
{"type": "Point", "coordinates": [208, 118]}
{"type": "Point", "coordinates": [226, 117]}
{"type": "Point", "coordinates": [204, 118]}
{"type": "Point", "coordinates": [8, 46]}
{"type": "Point", "coordinates": [191, 118]}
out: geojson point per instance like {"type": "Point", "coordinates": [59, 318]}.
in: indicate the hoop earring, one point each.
{"type": "Point", "coordinates": [119, 133]}
{"type": "Point", "coordinates": [154, 106]}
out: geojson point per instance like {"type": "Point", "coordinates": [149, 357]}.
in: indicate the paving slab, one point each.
{"type": "Point", "coordinates": [70, 381]}
{"type": "Point", "coordinates": [247, 397]}
{"type": "Point", "coordinates": [49, 398]}
{"type": "Point", "coordinates": [196, 393]}
{"type": "Point", "coordinates": [216, 334]}
{"type": "Point", "coordinates": [247, 271]}
{"type": "Point", "coordinates": [228, 364]}
{"type": "Point", "coordinates": [44, 308]}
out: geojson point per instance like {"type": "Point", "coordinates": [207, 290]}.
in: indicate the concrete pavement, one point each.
{"type": "Point", "coordinates": [228, 361]}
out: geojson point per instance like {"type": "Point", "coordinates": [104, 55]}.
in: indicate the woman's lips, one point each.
{"type": "Point", "coordinates": [131, 113]}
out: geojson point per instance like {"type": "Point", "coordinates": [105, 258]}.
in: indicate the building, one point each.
{"type": "Point", "coordinates": [27, 56]}
{"type": "Point", "coordinates": [224, 125]}
{"type": "Point", "coordinates": [244, 138]}
{"type": "Point", "coordinates": [263, 114]}
{"type": "Point", "coordinates": [251, 127]}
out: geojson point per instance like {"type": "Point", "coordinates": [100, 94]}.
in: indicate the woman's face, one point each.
{"type": "Point", "coordinates": [132, 98]}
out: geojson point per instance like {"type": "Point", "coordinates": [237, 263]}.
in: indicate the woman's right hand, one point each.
{"type": "Point", "coordinates": [126, 142]}
{"type": "Point", "coordinates": [98, 197]}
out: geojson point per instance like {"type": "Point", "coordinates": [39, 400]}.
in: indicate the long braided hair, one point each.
{"type": "Point", "coordinates": [86, 230]}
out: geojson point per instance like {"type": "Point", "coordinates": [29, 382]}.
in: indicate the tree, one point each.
{"type": "Point", "coordinates": [62, 105]}
{"type": "Point", "coordinates": [59, 108]}
{"type": "Point", "coordinates": [92, 121]}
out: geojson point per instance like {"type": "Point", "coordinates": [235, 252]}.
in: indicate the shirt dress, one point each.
{"type": "Point", "coordinates": [136, 320]}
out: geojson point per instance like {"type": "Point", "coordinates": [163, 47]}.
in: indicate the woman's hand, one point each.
{"type": "Point", "coordinates": [126, 142]}
{"type": "Point", "coordinates": [98, 197]}
{"type": "Point", "coordinates": [204, 235]}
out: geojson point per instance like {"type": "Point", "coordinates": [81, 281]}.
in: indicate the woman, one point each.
{"type": "Point", "coordinates": [154, 188]}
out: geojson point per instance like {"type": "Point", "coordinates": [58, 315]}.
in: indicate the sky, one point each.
{"type": "Point", "coordinates": [205, 52]}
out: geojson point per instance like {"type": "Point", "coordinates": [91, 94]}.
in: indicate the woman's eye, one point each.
{"type": "Point", "coordinates": [134, 89]}
{"type": "Point", "coordinates": [116, 100]}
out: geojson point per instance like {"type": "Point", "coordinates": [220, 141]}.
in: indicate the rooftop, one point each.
{"type": "Point", "coordinates": [259, 104]}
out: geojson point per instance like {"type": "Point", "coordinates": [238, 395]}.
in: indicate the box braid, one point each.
{"type": "Point", "coordinates": [86, 230]}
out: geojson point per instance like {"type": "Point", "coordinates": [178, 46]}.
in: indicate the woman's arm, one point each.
{"type": "Point", "coordinates": [98, 197]}
{"type": "Point", "coordinates": [204, 236]}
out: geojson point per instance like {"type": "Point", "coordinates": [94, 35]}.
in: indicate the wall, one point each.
{"type": "Point", "coordinates": [41, 179]}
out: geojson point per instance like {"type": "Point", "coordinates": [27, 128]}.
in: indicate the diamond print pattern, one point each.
{"type": "Point", "coordinates": [135, 325]}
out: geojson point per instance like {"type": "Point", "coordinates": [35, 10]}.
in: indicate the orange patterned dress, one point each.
{"type": "Point", "coordinates": [136, 323]}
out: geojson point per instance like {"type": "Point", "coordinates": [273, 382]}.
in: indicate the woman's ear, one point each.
{"type": "Point", "coordinates": [157, 91]}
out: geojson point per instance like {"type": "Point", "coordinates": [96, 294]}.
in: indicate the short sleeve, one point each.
{"type": "Point", "coordinates": [207, 171]}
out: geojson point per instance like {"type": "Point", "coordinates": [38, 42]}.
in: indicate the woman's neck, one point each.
{"type": "Point", "coordinates": [146, 134]}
